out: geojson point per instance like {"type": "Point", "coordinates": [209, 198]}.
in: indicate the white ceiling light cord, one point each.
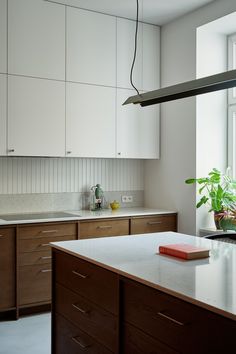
{"type": "Point", "coordinates": [135, 48]}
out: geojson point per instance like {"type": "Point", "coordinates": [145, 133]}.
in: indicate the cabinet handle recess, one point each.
{"type": "Point", "coordinates": [170, 318]}
{"type": "Point", "coordinates": [44, 244]}
{"type": "Point", "coordinates": [11, 150]}
{"type": "Point", "coordinates": [82, 345]}
{"type": "Point", "coordinates": [154, 222]}
{"type": "Point", "coordinates": [80, 309]}
{"type": "Point", "coordinates": [48, 257]}
{"type": "Point", "coordinates": [48, 231]}
{"type": "Point", "coordinates": [45, 270]}
{"type": "Point", "coordinates": [104, 227]}
{"type": "Point", "coordinates": [83, 276]}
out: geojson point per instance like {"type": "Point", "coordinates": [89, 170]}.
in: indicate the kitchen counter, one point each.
{"type": "Point", "coordinates": [86, 215]}
{"type": "Point", "coordinates": [209, 283]}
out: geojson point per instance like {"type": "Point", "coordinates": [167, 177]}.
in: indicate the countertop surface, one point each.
{"type": "Point", "coordinates": [83, 215]}
{"type": "Point", "coordinates": [209, 283]}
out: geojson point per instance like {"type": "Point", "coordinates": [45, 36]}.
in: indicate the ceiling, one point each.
{"type": "Point", "coordinates": [156, 12]}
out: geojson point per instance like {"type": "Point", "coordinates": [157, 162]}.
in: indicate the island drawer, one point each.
{"type": "Point", "coordinates": [31, 258]}
{"type": "Point", "coordinates": [102, 228]}
{"type": "Point", "coordinates": [137, 342]}
{"type": "Point", "coordinates": [175, 322]}
{"type": "Point", "coordinates": [34, 284]}
{"type": "Point", "coordinates": [88, 280]}
{"type": "Point", "coordinates": [160, 223]}
{"type": "Point", "coordinates": [45, 230]}
{"type": "Point", "coordinates": [41, 244]}
{"type": "Point", "coordinates": [93, 320]}
{"type": "Point", "coordinates": [70, 339]}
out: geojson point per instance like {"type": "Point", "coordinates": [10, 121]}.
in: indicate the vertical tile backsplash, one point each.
{"type": "Point", "coordinates": [24, 175]}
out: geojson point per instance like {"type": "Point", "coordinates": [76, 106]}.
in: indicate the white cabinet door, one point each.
{"type": "Point", "coordinates": [90, 120]}
{"type": "Point", "coordinates": [36, 117]}
{"type": "Point", "coordinates": [125, 53]}
{"type": "Point", "coordinates": [151, 57]}
{"type": "Point", "coordinates": [137, 129]}
{"type": "Point", "coordinates": [3, 36]}
{"type": "Point", "coordinates": [36, 39]}
{"type": "Point", "coordinates": [91, 47]}
{"type": "Point", "coordinates": [3, 114]}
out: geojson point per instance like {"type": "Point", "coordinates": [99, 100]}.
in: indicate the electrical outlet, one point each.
{"type": "Point", "coordinates": [127, 198]}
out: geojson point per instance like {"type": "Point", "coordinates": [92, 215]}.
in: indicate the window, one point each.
{"type": "Point", "coordinates": [232, 107]}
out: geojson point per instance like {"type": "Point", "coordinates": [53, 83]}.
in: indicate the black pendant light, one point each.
{"type": "Point", "coordinates": [206, 84]}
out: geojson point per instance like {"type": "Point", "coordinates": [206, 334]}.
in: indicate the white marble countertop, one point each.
{"type": "Point", "coordinates": [87, 214]}
{"type": "Point", "coordinates": [209, 283]}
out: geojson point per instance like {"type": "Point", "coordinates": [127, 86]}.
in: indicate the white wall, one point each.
{"type": "Point", "coordinates": [164, 179]}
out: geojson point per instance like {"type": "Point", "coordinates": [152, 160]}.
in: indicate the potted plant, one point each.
{"type": "Point", "coordinates": [218, 190]}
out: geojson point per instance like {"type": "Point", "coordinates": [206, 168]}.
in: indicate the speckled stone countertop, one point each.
{"type": "Point", "coordinates": [86, 214]}
{"type": "Point", "coordinates": [209, 283]}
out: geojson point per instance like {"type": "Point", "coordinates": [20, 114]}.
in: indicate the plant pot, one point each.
{"type": "Point", "coordinates": [218, 215]}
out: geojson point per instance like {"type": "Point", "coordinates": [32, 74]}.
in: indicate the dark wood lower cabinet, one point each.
{"type": "Point", "coordinates": [142, 320]}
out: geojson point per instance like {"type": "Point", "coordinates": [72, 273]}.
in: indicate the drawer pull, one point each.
{"type": "Point", "coordinates": [45, 270]}
{"type": "Point", "coordinates": [154, 222]}
{"type": "Point", "coordinates": [45, 244]}
{"type": "Point", "coordinates": [170, 318]}
{"type": "Point", "coordinates": [48, 231]}
{"type": "Point", "coordinates": [46, 257]}
{"type": "Point", "coordinates": [77, 340]}
{"type": "Point", "coordinates": [105, 227]}
{"type": "Point", "coordinates": [1, 236]}
{"type": "Point", "coordinates": [80, 309]}
{"type": "Point", "coordinates": [79, 274]}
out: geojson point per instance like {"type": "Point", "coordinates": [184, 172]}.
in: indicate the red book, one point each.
{"type": "Point", "coordinates": [184, 250]}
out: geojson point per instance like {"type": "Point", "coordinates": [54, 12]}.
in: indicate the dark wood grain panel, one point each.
{"type": "Point", "coordinates": [7, 268]}
{"type": "Point", "coordinates": [41, 244]}
{"type": "Point", "coordinates": [88, 280]}
{"type": "Point", "coordinates": [70, 339]}
{"type": "Point", "coordinates": [34, 284]}
{"type": "Point", "coordinates": [101, 228]}
{"type": "Point", "coordinates": [147, 224]}
{"type": "Point", "coordinates": [181, 325]}
{"type": "Point", "coordinates": [90, 318]}
{"type": "Point", "coordinates": [46, 230]}
{"type": "Point", "coordinates": [34, 258]}
{"type": "Point", "coordinates": [137, 342]}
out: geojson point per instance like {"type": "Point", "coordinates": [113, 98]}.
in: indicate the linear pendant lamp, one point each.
{"type": "Point", "coordinates": [206, 84]}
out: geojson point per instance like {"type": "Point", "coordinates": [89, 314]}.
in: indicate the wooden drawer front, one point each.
{"type": "Point", "coordinates": [34, 284]}
{"type": "Point", "coordinates": [103, 228]}
{"type": "Point", "coordinates": [96, 322]}
{"type": "Point", "coordinates": [33, 258]}
{"type": "Point", "coordinates": [92, 282]}
{"type": "Point", "coordinates": [41, 244]}
{"type": "Point", "coordinates": [7, 268]}
{"type": "Point", "coordinates": [137, 342]}
{"type": "Point", "coordinates": [176, 322]}
{"type": "Point", "coordinates": [153, 224]}
{"type": "Point", "coordinates": [70, 339]}
{"type": "Point", "coordinates": [46, 230]}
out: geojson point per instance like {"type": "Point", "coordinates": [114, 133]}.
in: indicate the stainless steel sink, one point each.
{"type": "Point", "coordinates": [32, 216]}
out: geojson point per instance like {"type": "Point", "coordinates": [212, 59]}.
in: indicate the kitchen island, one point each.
{"type": "Point", "coordinates": [118, 295]}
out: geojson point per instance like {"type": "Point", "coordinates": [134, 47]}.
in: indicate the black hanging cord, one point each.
{"type": "Point", "coordinates": [135, 49]}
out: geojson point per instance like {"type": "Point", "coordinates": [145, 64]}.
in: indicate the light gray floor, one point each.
{"type": "Point", "coordinates": [28, 335]}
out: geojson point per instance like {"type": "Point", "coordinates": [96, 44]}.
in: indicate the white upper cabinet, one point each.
{"type": "Point", "coordinates": [3, 36]}
{"type": "Point", "coordinates": [151, 57]}
{"type": "Point", "coordinates": [137, 129]}
{"type": "Point", "coordinates": [90, 120]}
{"type": "Point", "coordinates": [91, 47]}
{"type": "Point", "coordinates": [3, 113]}
{"type": "Point", "coordinates": [36, 39]}
{"type": "Point", "coordinates": [36, 117]}
{"type": "Point", "coordinates": [125, 53]}
{"type": "Point", "coordinates": [146, 75]}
